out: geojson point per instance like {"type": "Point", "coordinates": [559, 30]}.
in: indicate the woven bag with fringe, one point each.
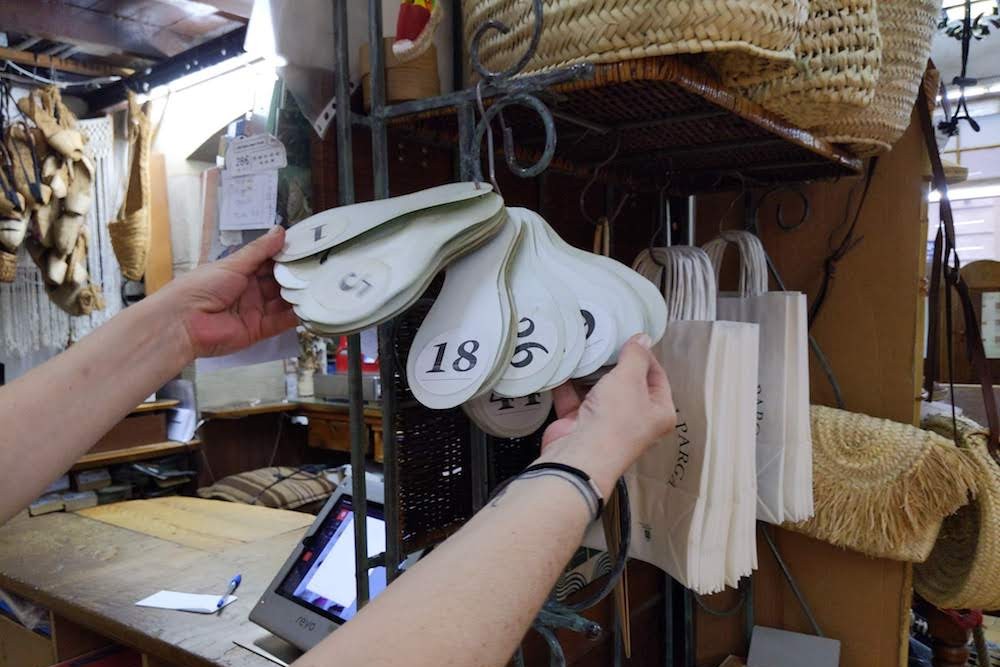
{"type": "Point", "coordinates": [838, 56]}
{"type": "Point", "coordinates": [762, 32]}
{"type": "Point", "coordinates": [907, 27]}
{"type": "Point", "coordinates": [963, 570]}
{"type": "Point", "coordinates": [881, 487]}
{"type": "Point", "coordinates": [130, 232]}
{"type": "Point", "coordinates": [8, 266]}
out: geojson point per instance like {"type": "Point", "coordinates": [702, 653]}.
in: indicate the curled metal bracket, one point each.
{"type": "Point", "coordinates": [779, 214]}
{"type": "Point", "coordinates": [520, 99]}
{"type": "Point", "coordinates": [503, 28]}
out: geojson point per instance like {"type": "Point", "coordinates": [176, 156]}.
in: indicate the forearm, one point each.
{"type": "Point", "coordinates": [471, 600]}
{"type": "Point", "coordinates": [55, 413]}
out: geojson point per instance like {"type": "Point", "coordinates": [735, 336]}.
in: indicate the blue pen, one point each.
{"type": "Point", "coordinates": [234, 583]}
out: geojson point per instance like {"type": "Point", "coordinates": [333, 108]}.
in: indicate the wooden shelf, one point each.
{"type": "Point", "coordinates": [140, 453]}
{"type": "Point", "coordinates": [156, 406]}
{"type": "Point", "coordinates": [673, 119]}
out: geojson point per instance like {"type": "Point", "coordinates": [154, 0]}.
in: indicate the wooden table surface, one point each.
{"type": "Point", "coordinates": [93, 566]}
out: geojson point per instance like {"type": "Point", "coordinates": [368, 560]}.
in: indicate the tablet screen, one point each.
{"type": "Point", "coordinates": [323, 578]}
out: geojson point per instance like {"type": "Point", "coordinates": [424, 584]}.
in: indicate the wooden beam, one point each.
{"type": "Point", "coordinates": [239, 9]}
{"type": "Point", "coordinates": [61, 22]}
{"type": "Point", "coordinates": [61, 64]}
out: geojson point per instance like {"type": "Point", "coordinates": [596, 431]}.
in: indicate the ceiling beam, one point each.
{"type": "Point", "coordinates": [239, 9]}
{"type": "Point", "coordinates": [50, 62]}
{"type": "Point", "coordinates": [60, 22]}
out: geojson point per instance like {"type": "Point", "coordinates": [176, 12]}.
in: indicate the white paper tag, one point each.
{"type": "Point", "coordinates": [537, 342]}
{"type": "Point", "coordinates": [600, 330]}
{"type": "Point", "coordinates": [450, 362]}
{"type": "Point", "coordinates": [250, 155]}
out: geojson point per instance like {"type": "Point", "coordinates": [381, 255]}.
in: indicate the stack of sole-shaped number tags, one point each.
{"type": "Point", "coordinates": [520, 311]}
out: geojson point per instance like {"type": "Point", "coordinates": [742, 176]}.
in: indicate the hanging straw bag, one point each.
{"type": "Point", "coordinates": [907, 27]}
{"type": "Point", "coordinates": [881, 487]}
{"type": "Point", "coordinates": [130, 232]}
{"type": "Point", "coordinates": [837, 63]}
{"type": "Point", "coordinates": [963, 570]}
{"type": "Point", "coordinates": [759, 35]}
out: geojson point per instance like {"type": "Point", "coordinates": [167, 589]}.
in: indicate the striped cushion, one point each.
{"type": "Point", "coordinates": [278, 487]}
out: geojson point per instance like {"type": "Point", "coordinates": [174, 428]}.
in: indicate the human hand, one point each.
{"type": "Point", "coordinates": [618, 420]}
{"type": "Point", "coordinates": [230, 304]}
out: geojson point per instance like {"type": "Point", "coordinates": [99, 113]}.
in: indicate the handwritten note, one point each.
{"type": "Point", "coordinates": [249, 201]}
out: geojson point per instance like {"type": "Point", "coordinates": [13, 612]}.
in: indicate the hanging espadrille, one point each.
{"type": "Point", "coordinates": [130, 231]}
{"type": "Point", "coordinates": [760, 33]}
{"type": "Point", "coordinates": [881, 487]}
{"type": "Point", "coordinates": [907, 28]}
{"type": "Point", "coordinates": [837, 60]}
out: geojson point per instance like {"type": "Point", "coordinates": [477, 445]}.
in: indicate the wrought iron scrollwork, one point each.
{"type": "Point", "coordinates": [497, 80]}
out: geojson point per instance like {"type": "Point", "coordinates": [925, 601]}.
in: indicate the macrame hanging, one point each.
{"type": "Point", "coordinates": [29, 320]}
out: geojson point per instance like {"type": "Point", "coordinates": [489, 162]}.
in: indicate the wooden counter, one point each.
{"type": "Point", "coordinates": [91, 567]}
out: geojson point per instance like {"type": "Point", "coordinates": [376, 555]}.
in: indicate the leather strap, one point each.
{"type": "Point", "coordinates": [946, 265]}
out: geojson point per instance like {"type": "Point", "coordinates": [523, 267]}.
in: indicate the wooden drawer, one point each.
{"type": "Point", "coordinates": [20, 647]}
{"type": "Point", "coordinates": [134, 431]}
{"type": "Point", "coordinates": [334, 432]}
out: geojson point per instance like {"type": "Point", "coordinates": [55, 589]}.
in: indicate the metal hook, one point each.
{"type": "Point", "coordinates": [489, 137]}
{"type": "Point", "coordinates": [503, 29]}
{"type": "Point", "coordinates": [799, 192]}
{"type": "Point", "coordinates": [593, 179]}
{"type": "Point", "coordinates": [732, 204]}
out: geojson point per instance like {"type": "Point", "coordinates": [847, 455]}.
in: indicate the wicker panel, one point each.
{"type": "Point", "coordinates": [672, 117]}
{"type": "Point", "coordinates": [435, 487]}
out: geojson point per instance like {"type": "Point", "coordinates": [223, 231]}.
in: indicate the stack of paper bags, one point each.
{"type": "Point", "coordinates": [691, 493]}
{"type": "Point", "coordinates": [784, 439]}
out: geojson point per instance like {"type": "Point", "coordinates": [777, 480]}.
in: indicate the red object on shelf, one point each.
{"type": "Point", "coordinates": [367, 367]}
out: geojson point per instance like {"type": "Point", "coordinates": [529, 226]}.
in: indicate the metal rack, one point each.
{"type": "Point", "coordinates": [768, 143]}
{"type": "Point", "coordinates": [503, 90]}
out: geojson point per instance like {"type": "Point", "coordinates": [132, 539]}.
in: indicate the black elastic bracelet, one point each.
{"type": "Point", "coordinates": [576, 472]}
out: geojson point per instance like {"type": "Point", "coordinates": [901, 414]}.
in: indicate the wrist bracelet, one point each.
{"type": "Point", "coordinates": [578, 478]}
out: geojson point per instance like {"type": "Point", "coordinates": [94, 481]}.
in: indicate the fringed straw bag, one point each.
{"type": "Point", "coordinates": [881, 487]}
{"type": "Point", "coordinates": [759, 34]}
{"type": "Point", "coordinates": [963, 570]}
{"type": "Point", "coordinates": [838, 56]}
{"type": "Point", "coordinates": [130, 232]}
{"type": "Point", "coordinates": [907, 27]}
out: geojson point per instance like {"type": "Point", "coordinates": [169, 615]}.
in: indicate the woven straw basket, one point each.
{"type": "Point", "coordinates": [762, 32]}
{"type": "Point", "coordinates": [963, 570]}
{"type": "Point", "coordinates": [8, 266]}
{"type": "Point", "coordinates": [838, 56]}
{"type": "Point", "coordinates": [907, 27]}
{"type": "Point", "coordinates": [130, 233]}
{"type": "Point", "coordinates": [882, 488]}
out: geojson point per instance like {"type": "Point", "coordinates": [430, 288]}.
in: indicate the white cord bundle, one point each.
{"type": "Point", "coordinates": [753, 267]}
{"type": "Point", "coordinates": [685, 276]}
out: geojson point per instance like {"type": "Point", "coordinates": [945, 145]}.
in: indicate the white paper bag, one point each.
{"type": "Point", "coordinates": [684, 492]}
{"type": "Point", "coordinates": [784, 446]}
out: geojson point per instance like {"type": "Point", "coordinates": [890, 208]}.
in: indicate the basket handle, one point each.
{"type": "Point", "coordinates": [945, 266]}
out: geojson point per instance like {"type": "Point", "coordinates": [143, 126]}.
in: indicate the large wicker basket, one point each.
{"type": "Point", "coordinates": [907, 27]}
{"type": "Point", "coordinates": [961, 572]}
{"type": "Point", "coordinates": [761, 32]}
{"type": "Point", "coordinates": [838, 57]}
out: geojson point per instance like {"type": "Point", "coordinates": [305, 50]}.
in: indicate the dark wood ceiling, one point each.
{"type": "Point", "coordinates": [115, 34]}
